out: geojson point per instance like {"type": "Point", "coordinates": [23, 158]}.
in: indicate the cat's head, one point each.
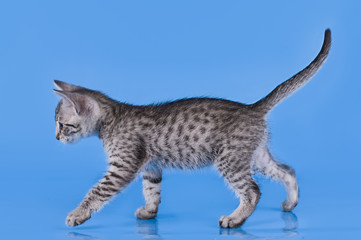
{"type": "Point", "coordinates": [77, 113]}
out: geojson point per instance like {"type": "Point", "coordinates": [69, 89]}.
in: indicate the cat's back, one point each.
{"type": "Point", "coordinates": [198, 105]}
{"type": "Point", "coordinates": [202, 115]}
{"type": "Point", "coordinates": [210, 109]}
{"type": "Point", "coordinates": [197, 114]}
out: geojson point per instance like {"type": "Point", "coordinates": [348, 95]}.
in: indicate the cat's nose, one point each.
{"type": "Point", "coordinates": [57, 136]}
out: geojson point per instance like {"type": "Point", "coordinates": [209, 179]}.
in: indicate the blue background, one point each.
{"type": "Point", "coordinates": [145, 52]}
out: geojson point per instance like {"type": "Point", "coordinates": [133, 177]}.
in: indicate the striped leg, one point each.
{"type": "Point", "coordinates": [152, 177]}
{"type": "Point", "coordinates": [265, 164]}
{"type": "Point", "coordinates": [235, 168]}
{"type": "Point", "coordinates": [119, 175]}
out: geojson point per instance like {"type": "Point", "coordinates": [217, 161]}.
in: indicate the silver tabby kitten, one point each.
{"type": "Point", "coordinates": [186, 134]}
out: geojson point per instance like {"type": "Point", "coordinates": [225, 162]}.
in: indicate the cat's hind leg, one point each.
{"type": "Point", "coordinates": [235, 167]}
{"type": "Point", "coordinates": [152, 177]}
{"type": "Point", "coordinates": [264, 163]}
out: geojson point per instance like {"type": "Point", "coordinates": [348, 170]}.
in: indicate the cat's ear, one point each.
{"type": "Point", "coordinates": [81, 103]}
{"type": "Point", "coordinates": [66, 86]}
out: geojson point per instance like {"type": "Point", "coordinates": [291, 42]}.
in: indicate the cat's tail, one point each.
{"type": "Point", "coordinates": [288, 87]}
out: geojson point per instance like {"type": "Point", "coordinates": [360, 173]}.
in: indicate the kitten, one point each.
{"type": "Point", "coordinates": [186, 134]}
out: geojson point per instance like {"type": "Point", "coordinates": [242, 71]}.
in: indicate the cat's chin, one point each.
{"type": "Point", "coordinates": [69, 141]}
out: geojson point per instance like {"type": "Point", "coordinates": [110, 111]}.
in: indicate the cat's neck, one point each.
{"type": "Point", "coordinates": [110, 115]}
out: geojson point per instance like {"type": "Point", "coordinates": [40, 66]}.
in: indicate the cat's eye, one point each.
{"type": "Point", "coordinates": [61, 125]}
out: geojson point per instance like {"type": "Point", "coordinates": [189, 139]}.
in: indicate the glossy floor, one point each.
{"type": "Point", "coordinates": [192, 204]}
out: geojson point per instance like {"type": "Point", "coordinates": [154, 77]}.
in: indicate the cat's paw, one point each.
{"type": "Point", "coordinates": [144, 213]}
{"type": "Point", "coordinates": [77, 217]}
{"type": "Point", "coordinates": [229, 222]}
{"type": "Point", "coordinates": [288, 206]}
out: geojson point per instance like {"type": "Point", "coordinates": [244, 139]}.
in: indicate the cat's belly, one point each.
{"type": "Point", "coordinates": [188, 161]}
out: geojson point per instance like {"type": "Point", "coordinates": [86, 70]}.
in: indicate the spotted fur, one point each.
{"type": "Point", "coordinates": [186, 134]}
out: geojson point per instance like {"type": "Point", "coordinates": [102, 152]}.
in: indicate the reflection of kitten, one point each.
{"type": "Point", "coordinates": [188, 133]}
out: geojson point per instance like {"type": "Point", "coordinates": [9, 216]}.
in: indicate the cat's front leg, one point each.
{"type": "Point", "coordinates": [119, 175]}
{"type": "Point", "coordinates": [152, 178]}
{"type": "Point", "coordinates": [78, 216]}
